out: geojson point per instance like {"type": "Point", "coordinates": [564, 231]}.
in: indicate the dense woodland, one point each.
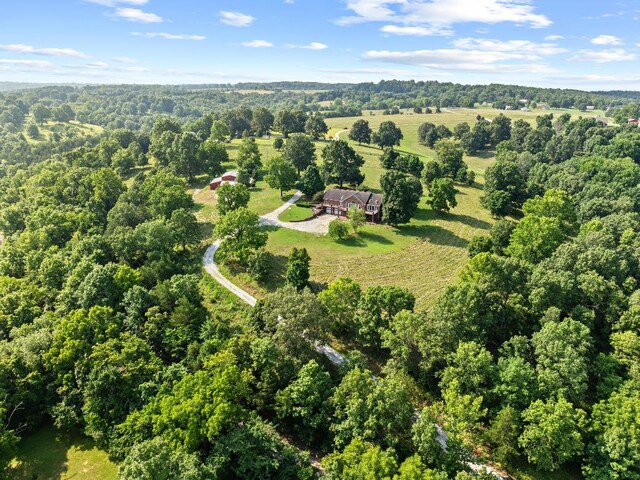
{"type": "Point", "coordinates": [109, 326]}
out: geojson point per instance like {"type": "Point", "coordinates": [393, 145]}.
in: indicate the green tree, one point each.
{"type": "Point", "coordinates": [341, 164]}
{"type": "Point", "coordinates": [297, 274]}
{"type": "Point", "coordinates": [157, 459]}
{"type": "Point", "coordinates": [338, 230]}
{"type": "Point", "coordinates": [296, 321]}
{"type": "Point", "coordinates": [535, 238]}
{"type": "Point", "coordinates": [211, 156]}
{"type": "Point", "coordinates": [360, 460]}
{"type": "Point", "coordinates": [503, 433]}
{"type": "Point", "coordinates": [278, 143]}
{"type": "Point", "coordinates": [219, 131]}
{"type": "Point", "coordinates": [554, 204]}
{"type": "Point", "coordinates": [615, 450]}
{"type": "Point", "coordinates": [315, 126]}
{"type": "Point", "coordinates": [111, 391]}
{"type": "Point", "coordinates": [183, 155]}
{"type": "Point", "coordinates": [357, 218]}
{"type": "Point", "coordinates": [402, 193]}
{"type": "Point", "coordinates": [500, 129]}
{"type": "Point", "coordinates": [442, 195]}
{"type": "Point", "coordinates": [241, 235]}
{"type": "Point", "coordinates": [388, 135]}
{"type": "Point", "coordinates": [311, 181]}
{"type": "Point", "coordinates": [300, 151]}
{"type": "Point", "coordinates": [340, 300]}
{"type": "Point", "coordinates": [40, 113]}
{"type": "Point", "coordinates": [281, 174]}
{"type": "Point", "coordinates": [261, 121]}
{"type": "Point", "coordinates": [562, 358]}
{"type": "Point", "coordinates": [360, 132]}
{"type": "Point", "coordinates": [450, 155]}
{"type": "Point", "coordinates": [249, 161]}
{"type": "Point", "coordinates": [304, 403]}
{"type": "Point", "coordinates": [552, 433]}
{"type": "Point", "coordinates": [33, 131]}
{"type": "Point", "coordinates": [231, 197]}
{"type": "Point", "coordinates": [185, 227]}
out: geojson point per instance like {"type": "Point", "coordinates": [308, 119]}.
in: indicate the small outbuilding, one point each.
{"type": "Point", "coordinates": [227, 177]}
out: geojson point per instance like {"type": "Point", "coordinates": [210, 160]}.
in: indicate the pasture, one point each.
{"type": "Point", "coordinates": [423, 256]}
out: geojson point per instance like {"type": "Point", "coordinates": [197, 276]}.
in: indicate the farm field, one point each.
{"type": "Point", "coordinates": [423, 256]}
{"type": "Point", "coordinates": [45, 454]}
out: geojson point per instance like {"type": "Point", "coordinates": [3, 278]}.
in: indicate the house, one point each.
{"type": "Point", "coordinates": [227, 177]}
{"type": "Point", "coordinates": [338, 201]}
{"type": "Point", "coordinates": [590, 107]}
{"type": "Point", "coordinates": [509, 107]}
{"type": "Point", "coordinates": [524, 109]}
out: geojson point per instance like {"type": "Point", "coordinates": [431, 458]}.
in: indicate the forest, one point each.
{"type": "Point", "coordinates": [528, 364]}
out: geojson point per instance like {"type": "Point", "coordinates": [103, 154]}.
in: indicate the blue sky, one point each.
{"type": "Point", "coordinates": [587, 44]}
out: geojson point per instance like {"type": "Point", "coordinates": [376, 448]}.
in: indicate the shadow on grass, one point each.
{"type": "Point", "coordinates": [43, 454]}
{"type": "Point", "coordinates": [432, 233]}
{"type": "Point", "coordinates": [470, 221]}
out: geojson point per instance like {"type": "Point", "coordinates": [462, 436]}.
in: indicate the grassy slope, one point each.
{"type": "Point", "coordinates": [47, 129]}
{"type": "Point", "coordinates": [45, 455]}
{"type": "Point", "coordinates": [423, 256]}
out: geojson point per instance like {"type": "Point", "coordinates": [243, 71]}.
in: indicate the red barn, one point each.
{"type": "Point", "coordinates": [227, 177]}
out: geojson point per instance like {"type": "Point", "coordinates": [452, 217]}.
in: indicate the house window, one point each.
{"type": "Point", "coordinates": [371, 208]}
{"type": "Point", "coordinates": [349, 205]}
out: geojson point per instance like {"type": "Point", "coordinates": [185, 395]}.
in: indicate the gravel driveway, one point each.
{"type": "Point", "coordinates": [318, 225]}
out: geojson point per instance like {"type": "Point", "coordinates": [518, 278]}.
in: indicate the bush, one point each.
{"type": "Point", "coordinates": [260, 265]}
{"type": "Point", "coordinates": [278, 143]}
{"type": "Point", "coordinates": [317, 197]}
{"type": "Point", "coordinates": [338, 230]}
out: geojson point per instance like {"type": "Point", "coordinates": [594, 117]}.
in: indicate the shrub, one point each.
{"type": "Point", "coordinates": [338, 230]}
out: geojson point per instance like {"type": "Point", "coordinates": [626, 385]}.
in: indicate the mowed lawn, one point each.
{"type": "Point", "coordinates": [423, 256]}
{"type": "Point", "coordinates": [47, 455]}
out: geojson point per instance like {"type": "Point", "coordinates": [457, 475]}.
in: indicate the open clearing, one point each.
{"type": "Point", "coordinates": [423, 256]}
{"type": "Point", "coordinates": [48, 454]}
{"type": "Point", "coordinates": [49, 128]}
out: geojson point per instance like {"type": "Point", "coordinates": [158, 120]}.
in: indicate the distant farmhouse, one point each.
{"type": "Point", "coordinates": [227, 177]}
{"type": "Point", "coordinates": [338, 201]}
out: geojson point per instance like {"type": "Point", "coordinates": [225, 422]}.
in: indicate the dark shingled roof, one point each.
{"type": "Point", "coordinates": [339, 195]}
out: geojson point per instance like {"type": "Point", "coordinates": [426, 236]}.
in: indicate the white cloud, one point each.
{"type": "Point", "coordinates": [604, 56]}
{"type": "Point", "coordinates": [124, 59]}
{"type": "Point", "coordinates": [606, 40]}
{"type": "Point", "coordinates": [113, 3]}
{"type": "Point", "coordinates": [310, 46]}
{"type": "Point", "coordinates": [444, 12]}
{"type": "Point", "coordinates": [316, 46]}
{"type": "Point", "coordinates": [51, 52]}
{"type": "Point", "coordinates": [168, 36]}
{"type": "Point", "coordinates": [553, 38]}
{"type": "Point", "coordinates": [236, 19]}
{"type": "Point", "coordinates": [521, 46]}
{"type": "Point", "coordinates": [465, 60]}
{"type": "Point", "coordinates": [257, 44]}
{"type": "Point", "coordinates": [39, 64]}
{"type": "Point", "coordinates": [100, 65]}
{"type": "Point", "coordinates": [137, 15]}
{"type": "Point", "coordinates": [415, 30]}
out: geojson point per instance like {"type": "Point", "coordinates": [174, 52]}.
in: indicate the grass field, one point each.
{"type": "Point", "coordinates": [50, 127]}
{"type": "Point", "coordinates": [424, 256]}
{"type": "Point", "coordinates": [46, 455]}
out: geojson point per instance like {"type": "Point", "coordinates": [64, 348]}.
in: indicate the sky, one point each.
{"type": "Point", "coordinates": [584, 44]}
